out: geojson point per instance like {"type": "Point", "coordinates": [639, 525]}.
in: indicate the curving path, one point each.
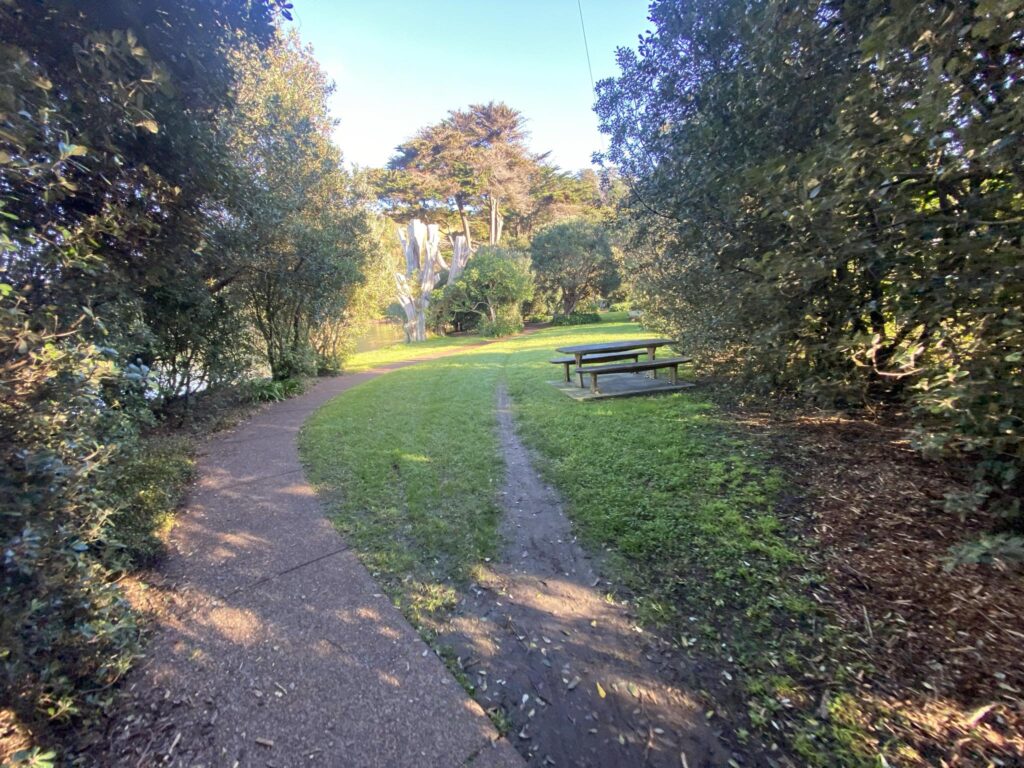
{"type": "Point", "coordinates": [274, 645]}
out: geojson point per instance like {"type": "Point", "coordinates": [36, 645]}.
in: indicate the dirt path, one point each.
{"type": "Point", "coordinates": [274, 645]}
{"type": "Point", "coordinates": [578, 682]}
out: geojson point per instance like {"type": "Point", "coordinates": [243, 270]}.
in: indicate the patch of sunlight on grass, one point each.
{"type": "Point", "coordinates": [364, 361]}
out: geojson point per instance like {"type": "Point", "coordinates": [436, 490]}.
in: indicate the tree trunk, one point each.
{"type": "Point", "coordinates": [421, 322]}
{"type": "Point", "coordinates": [569, 302]}
{"type": "Point", "coordinates": [493, 232]}
{"type": "Point", "coordinates": [405, 298]}
{"type": "Point", "coordinates": [460, 255]}
{"type": "Point", "coordinates": [465, 223]}
{"type": "Point", "coordinates": [421, 244]}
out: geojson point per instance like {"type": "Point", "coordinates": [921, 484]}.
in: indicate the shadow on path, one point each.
{"type": "Point", "coordinates": [578, 682]}
{"type": "Point", "coordinates": [273, 645]}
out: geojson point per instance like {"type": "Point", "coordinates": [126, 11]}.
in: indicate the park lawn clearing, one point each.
{"type": "Point", "coordinates": [678, 506]}
{"type": "Point", "coordinates": [408, 464]}
{"type": "Point", "coordinates": [402, 351]}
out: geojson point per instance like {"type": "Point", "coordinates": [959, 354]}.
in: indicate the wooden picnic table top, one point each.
{"type": "Point", "coordinates": [614, 346]}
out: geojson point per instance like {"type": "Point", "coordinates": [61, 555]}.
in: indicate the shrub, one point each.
{"type": "Point", "coordinates": [858, 237]}
{"type": "Point", "coordinates": [67, 428]}
{"type": "Point", "coordinates": [493, 287]}
{"type": "Point", "coordinates": [156, 474]}
{"type": "Point", "coordinates": [997, 548]}
{"type": "Point", "coordinates": [273, 390]}
{"type": "Point", "coordinates": [576, 318]}
{"type": "Point", "coordinates": [507, 322]}
{"type": "Point", "coordinates": [574, 262]}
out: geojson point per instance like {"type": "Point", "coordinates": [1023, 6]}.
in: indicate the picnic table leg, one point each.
{"type": "Point", "coordinates": [673, 373]}
{"type": "Point", "coordinates": [567, 379]}
{"type": "Point", "coordinates": [593, 384]}
{"type": "Point", "coordinates": [650, 357]}
{"type": "Point", "coordinates": [579, 362]}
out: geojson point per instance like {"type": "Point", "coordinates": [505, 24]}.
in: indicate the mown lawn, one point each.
{"type": "Point", "coordinates": [364, 361]}
{"type": "Point", "coordinates": [680, 505]}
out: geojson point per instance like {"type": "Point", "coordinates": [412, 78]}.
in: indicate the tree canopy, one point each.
{"type": "Point", "coordinates": [573, 261]}
{"type": "Point", "coordinates": [473, 160]}
{"type": "Point", "coordinates": [173, 218]}
{"type": "Point", "coordinates": [827, 197]}
{"type": "Point", "coordinates": [300, 243]}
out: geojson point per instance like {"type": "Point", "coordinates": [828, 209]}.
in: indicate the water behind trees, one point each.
{"type": "Point", "coordinates": [381, 333]}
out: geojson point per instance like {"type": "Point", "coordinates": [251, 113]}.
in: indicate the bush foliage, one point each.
{"type": "Point", "coordinates": [573, 262]}
{"type": "Point", "coordinates": [272, 390]}
{"type": "Point", "coordinates": [576, 318]}
{"type": "Point", "coordinates": [493, 288]}
{"type": "Point", "coordinates": [827, 198]}
{"type": "Point", "coordinates": [173, 217]}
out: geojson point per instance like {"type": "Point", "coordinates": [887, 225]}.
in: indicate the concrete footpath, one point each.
{"type": "Point", "coordinates": [275, 647]}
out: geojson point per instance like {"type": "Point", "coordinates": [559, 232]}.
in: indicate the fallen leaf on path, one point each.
{"type": "Point", "coordinates": [979, 714]}
{"type": "Point", "coordinates": [600, 691]}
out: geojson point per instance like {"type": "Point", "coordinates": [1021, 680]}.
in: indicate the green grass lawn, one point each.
{"type": "Point", "coordinates": [364, 361]}
{"type": "Point", "coordinates": [680, 503]}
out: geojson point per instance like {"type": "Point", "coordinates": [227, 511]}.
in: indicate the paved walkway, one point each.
{"type": "Point", "coordinates": [277, 648]}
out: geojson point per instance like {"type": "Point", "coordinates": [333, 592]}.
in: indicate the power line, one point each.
{"type": "Point", "coordinates": [586, 47]}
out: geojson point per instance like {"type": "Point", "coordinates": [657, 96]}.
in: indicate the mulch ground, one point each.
{"type": "Point", "coordinates": [940, 649]}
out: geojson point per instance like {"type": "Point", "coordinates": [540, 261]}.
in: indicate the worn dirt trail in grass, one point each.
{"type": "Point", "coordinates": [569, 672]}
{"type": "Point", "coordinates": [273, 645]}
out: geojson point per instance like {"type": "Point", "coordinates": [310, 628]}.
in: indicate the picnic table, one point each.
{"type": "Point", "coordinates": [610, 347]}
{"type": "Point", "coordinates": [600, 359]}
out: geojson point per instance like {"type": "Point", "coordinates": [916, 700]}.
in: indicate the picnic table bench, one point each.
{"type": "Point", "coordinates": [568, 361]}
{"type": "Point", "coordinates": [672, 363]}
{"type": "Point", "coordinates": [578, 351]}
{"type": "Point", "coordinates": [607, 353]}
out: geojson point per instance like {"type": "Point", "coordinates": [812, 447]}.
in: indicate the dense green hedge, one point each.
{"type": "Point", "coordinates": [576, 318]}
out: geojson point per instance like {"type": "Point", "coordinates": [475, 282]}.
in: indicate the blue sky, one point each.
{"type": "Point", "coordinates": [401, 65]}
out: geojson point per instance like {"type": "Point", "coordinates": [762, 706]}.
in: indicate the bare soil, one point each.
{"type": "Point", "coordinates": [556, 661]}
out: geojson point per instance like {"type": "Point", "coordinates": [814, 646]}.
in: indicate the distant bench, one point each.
{"type": "Point", "coordinates": [672, 363]}
{"type": "Point", "coordinates": [569, 361]}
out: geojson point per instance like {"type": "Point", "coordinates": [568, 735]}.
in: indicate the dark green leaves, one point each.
{"type": "Point", "coordinates": [828, 199]}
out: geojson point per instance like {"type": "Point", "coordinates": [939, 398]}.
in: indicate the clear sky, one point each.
{"type": "Point", "coordinates": [404, 64]}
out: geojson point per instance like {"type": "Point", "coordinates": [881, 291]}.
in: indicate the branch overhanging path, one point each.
{"type": "Point", "coordinates": [273, 643]}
